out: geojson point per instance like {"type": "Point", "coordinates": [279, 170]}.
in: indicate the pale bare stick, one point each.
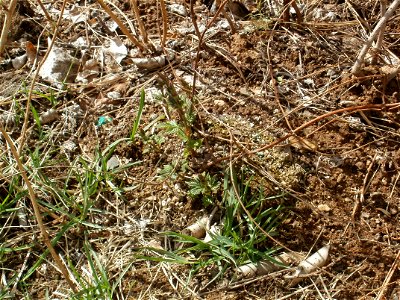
{"type": "Point", "coordinates": [381, 34]}
{"type": "Point", "coordinates": [378, 28]}
{"type": "Point", "coordinates": [49, 19]}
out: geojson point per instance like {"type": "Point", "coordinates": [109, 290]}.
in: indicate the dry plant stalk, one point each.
{"type": "Point", "coordinates": [142, 29]}
{"type": "Point", "coordinates": [165, 22]}
{"type": "Point", "coordinates": [6, 25]}
{"type": "Point", "coordinates": [380, 27]}
{"type": "Point", "coordinates": [200, 42]}
{"type": "Point", "coordinates": [226, 16]}
{"type": "Point", "coordinates": [193, 17]}
{"type": "Point", "coordinates": [379, 40]}
{"type": "Point", "coordinates": [386, 282]}
{"type": "Point", "coordinates": [49, 19]}
{"type": "Point", "coordinates": [121, 25]}
{"type": "Point", "coordinates": [36, 210]}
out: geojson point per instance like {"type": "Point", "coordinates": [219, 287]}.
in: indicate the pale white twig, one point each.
{"type": "Point", "coordinates": [378, 28]}
{"type": "Point", "coordinates": [381, 33]}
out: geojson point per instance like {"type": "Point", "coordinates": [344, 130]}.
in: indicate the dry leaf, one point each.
{"type": "Point", "coordinates": [302, 143]}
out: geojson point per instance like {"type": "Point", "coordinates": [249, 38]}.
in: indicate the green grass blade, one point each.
{"type": "Point", "coordinates": [139, 115]}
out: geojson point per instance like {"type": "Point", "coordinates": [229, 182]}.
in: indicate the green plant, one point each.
{"type": "Point", "coordinates": [139, 115]}
{"type": "Point", "coordinates": [204, 185]}
{"type": "Point", "coordinates": [51, 97]}
{"type": "Point", "coordinates": [173, 171]}
{"type": "Point", "coordinates": [249, 242]}
{"type": "Point", "coordinates": [173, 127]}
{"type": "Point", "coordinates": [239, 240]}
{"type": "Point", "coordinates": [72, 197]}
{"type": "Point", "coordinates": [96, 284]}
{"type": "Point", "coordinates": [37, 121]}
{"type": "Point", "coordinates": [186, 116]}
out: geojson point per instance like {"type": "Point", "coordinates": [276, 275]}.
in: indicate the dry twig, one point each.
{"type": "Point", "coordinates": [389, 276]}
{"type": "Point", "coordinates": [121, 25]}
{"type": "Point", "coordinates": [165, 22]}
{"type": "Point", "coordinates": [6, 25]}
{"type": "Point", "coordinates": [142, 29]}
{"type": "Point", "coordinates": [378, 28]}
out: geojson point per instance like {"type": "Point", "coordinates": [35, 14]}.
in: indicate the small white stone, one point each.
{"type": "Point", "coordinates": [114, 95]}
{"type": "Point", "coordinates": [219, 102]}
{"type": "Point", "coordinates": [324, 208]}
{"type": "Point", "coordinates": [178, 9]}
{"type": "Point", "coordinates": [113, 163]}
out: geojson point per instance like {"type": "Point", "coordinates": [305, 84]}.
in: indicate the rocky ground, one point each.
{"type": "Point", "coordinates": [127, 149]}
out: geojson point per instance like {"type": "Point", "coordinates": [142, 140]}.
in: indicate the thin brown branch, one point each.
{"type": "Point", "coordinates": [193, 17]}
{"type": "Point", "coordinates": [200, 43]}
{"type": "Point", "coordinates": [48, 17]}
{"type": "Point", "coordinates": [228, 18]}
{"type": "Point", "coordinates": [165, 22]}
{"type": "Point", "coordinates": [142, 28]}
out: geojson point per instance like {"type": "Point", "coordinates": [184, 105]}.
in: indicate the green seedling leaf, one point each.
{"type": "Point", "coordinates": [139, 115]}
{"type": "Point", "coordinates": [36, 118]}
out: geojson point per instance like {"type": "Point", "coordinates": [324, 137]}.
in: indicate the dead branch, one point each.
{"type": "Point", "coordinates": [6, 25]}
{"type": "Point", "coordinates": [378, 28]}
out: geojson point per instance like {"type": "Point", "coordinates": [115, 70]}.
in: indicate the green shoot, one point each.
{"type": "Point", "coordinates": [37, 121]}
{"type": "Point", "coordinates": [139, 115]}
{"type": "Point", "coordinates": [204, 185]}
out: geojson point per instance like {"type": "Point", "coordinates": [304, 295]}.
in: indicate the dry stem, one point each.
{"type": "Point", "coordinates": [389, 276]}
{"type": "Point", "coordinates": [121, 25]}
{"type": "Point", "coordinates": [6, 25]}
{"type": "Point", "coordinates": [378, 28]}
{"type": "Point", "coordinates": [142, 29]}
{"type": "Point", "coordinates": [165, 22]}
